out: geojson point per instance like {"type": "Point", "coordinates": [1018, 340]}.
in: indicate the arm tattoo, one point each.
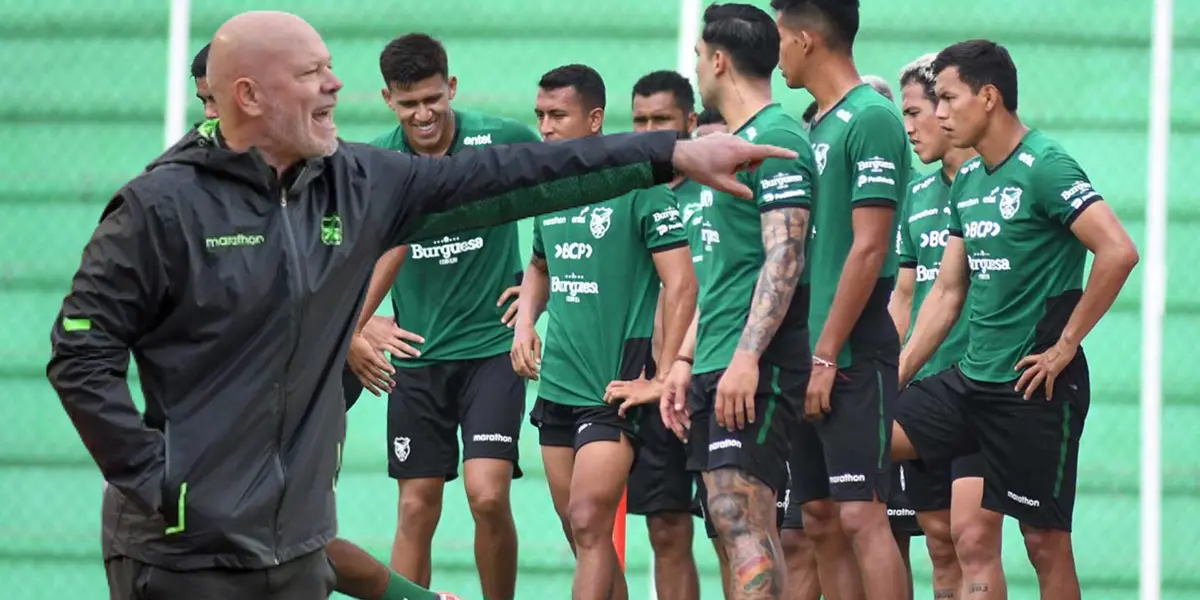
{"type": "Point", "coordinates": [743, 511]}
{"type": "Point", "coordinates": [977, 588]}
{"type": "Point", "coordinates": [783, 233]}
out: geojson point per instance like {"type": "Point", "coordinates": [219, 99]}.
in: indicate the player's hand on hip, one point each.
{"type": "Point", "coordinates": [735, 392]}
{"type": "Point", "coordinates": [385, 335]}
{"type": "Point", "coordinates": [820, 389]}
{"type": "Point", "coordinates": [1044, 368]}
{"type": "Point", "coordinates": [632, 393]}
{"type": "Point", "coordinates": [714, 160]}
{"type": "Point", "coordinates": [672, 404]}
{"type": "Point", "coordinates": [526, 353]}
{"type": "Point", "coordinates": [372, 368]}
{"type": "Point", "coordinates": [509, 317]}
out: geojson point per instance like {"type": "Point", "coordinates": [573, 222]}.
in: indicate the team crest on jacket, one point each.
{"type": "Point", "coordinates": [401, 446]}
{"type": "Point", "coordinates": [1010, 202]}
{"type": "Point", "coordinates": [601, 220]}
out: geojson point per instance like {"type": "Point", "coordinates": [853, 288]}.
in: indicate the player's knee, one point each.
{"type": "Point", "coordinates": [419, 512]}
{"type": "Point", "coordinates": [489, 503]}
{"type": "Point", "coordinates": [976, 542]}
{"type": "Point", "coordinates": [1045, 547]}
{"type": "Point", "coordinates": [941, 551]}
{"type": "Point", "coordinates": [821, 521]}
{"type": "Point", "coordinates": [590, 523]}
{"type": "Point", "coordinates": [797, 548]}
{"type": "Point", "coordinates": [670, 534]}
{"type": "Point", "coordinates": [861, 518]}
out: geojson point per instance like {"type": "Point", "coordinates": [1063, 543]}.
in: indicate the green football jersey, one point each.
{"type": "Point", "coordinates": [688, 198]}
{"type": "Point", "coordinates": [447, 288]}
{"type": "Point", "coordinates": [603, 291]}
{"type": "Point", "coordinates": [920, 240]}
{"type": "Point", "coordinates": [730, 241]}
{"type": "Point", "coordinates": [863, 156]}
{"type": "Point", "coordinates": [1026, 265]}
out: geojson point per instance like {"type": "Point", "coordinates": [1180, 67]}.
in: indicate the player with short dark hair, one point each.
{"type": "Point", "coordinates": [1023, 217]}
{"type": "Point", "coordinates": [920, 239]}
{"type": "Point", "coordinates": [200, 78]}
{"type": "Point", "coordinates": [449, 370]}
{"type": "Point", "coordinates": [660, 488]}
{"type": "Point", "coordinates": [596, 271]}
{"type": "Point", "coordinates": [750, 335]}
{"type": "Point", "coordinates": [862, 153]}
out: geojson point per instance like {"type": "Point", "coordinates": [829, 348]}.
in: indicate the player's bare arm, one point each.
{"type": "Point", "coordinates": [939, 311]}
{"type": "Point", "coordinates": [677, 306]}
{"type": "Point", "coordinates": [873, 236]}
{"type": "Point", "coordinates": [375, 336]}
{"type": "Point", "coordinates": [740, 504]}
{"type": "Point", "coordinates": [527, 346]}
{"type": "Point", "coordinates": [382, 278]}
{"type": "Point", "coordinates": [1115, 256]}
{"type": "Point", "coordinates": [783, 233]}
{"type": "Point", "coordinates": [900, 304]}
{"type": "Point", "coordinates": [673, 403]}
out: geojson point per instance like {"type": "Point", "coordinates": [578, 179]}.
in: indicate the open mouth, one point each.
{"type": "Point", "coordinates": [323, 117]}
{"type": "Point", "coordinates": [426, 128]}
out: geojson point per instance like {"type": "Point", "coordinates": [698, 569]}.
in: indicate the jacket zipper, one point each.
{"type": "Point", "coordinates": [294, 254]}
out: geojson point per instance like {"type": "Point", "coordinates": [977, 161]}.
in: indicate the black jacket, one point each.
{"type": "Point", "coordinates": [237, 292]}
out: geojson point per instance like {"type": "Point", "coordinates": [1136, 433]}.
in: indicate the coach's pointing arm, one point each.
{"type": "Point", "coordinates": [113, 298]}
{"type": "Point", "coordinates": [493, 185]}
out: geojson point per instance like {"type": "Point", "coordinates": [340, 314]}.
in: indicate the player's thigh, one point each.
{"type": "Point", "coordinates": [856, 434]}
{"type": "Point", "coordinates": [310, 577]}
{"type": "Point", "coordinates": [901, 514]}
{"type": "Point", "coordinates": [933, 414]}
{"type": "Point", "coordinates": [761, 449]}
{"type": "Point", "coordinates": [659, 481]}
{"type": "Point", "coordinates": [605, 447]}
{"type": "Point", "coordinates": [491, 404]}
{"type": "Point", "coordinates": [422, 424]}
{"type": "Point", "coordinates": [1032, 476]}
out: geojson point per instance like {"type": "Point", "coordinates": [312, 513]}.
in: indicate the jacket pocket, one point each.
{"type": "Point", "coordinates": [174, 490]}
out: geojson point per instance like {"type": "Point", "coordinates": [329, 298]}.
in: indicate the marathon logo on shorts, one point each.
{"type": "Point", "coordinates": [901, 512]}
{"type": "Point", "coordinates": [847, 478]}
{"type": "Point", "coordinates": [723, 444]}
{"type": "Point", "coordinates": [573, 286]}
{"type": "Point", "coordinates": [1023, 500]}
{"type": "Point", "coordinates": [492, 437]}
{"type": "Point", "coordinates": [445, 250]}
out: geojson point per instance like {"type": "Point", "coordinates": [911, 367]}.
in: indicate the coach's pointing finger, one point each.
{"type": "Point", "coordinates": [715, 159]}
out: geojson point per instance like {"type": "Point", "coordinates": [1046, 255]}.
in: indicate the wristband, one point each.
{"type": "Point", "coordinates": [820, 362]}
{"type": "Point", "coordinates": [686, 359]}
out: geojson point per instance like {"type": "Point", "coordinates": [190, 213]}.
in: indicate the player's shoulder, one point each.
{"type": "Point", "coordinates": [866, 107]}
{"type": "Point", "coordinates": [969, 170]}
{"type": "Point", "coordinates": [781, 130]}
{"type": "Point", "coordinates": [1039, 152]}
{"type": "Point", "coordinates": [485, 129]}
{"type": "Point", "coordinates": [393, 139]}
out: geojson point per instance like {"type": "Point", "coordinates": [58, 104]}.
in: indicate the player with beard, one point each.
{"type": "Point", "coordinates": [1023, 218]}
{"type": "Point", "coordinates": [598, 265]}
{"type": "Point", "coordinates": [864, 160]}
{"type": "Point", "coordinates": [450, 292]}
{"type": "Point", "coordinates": [660, 488]}
{"type": "Point", "coordinates": [749, 377]}
{"type": "Point", "coordinates": [920, 239]}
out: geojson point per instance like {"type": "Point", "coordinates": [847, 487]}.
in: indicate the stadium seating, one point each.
{"type": "Point", "coordinates": [81, 112]}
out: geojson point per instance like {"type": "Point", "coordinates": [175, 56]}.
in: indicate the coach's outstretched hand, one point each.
{"type": "Point", "coordinates": [715, 159]}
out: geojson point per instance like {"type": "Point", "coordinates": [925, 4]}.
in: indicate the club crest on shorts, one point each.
{"type": "Point", "coordinates": [402, 447]}
{"type": "Point", "coordinates": [1010, 202]}
{"type": "Point", "coordinates": [601, 220]}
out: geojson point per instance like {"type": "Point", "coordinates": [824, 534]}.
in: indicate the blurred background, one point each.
{"type": "Point", "coordinates": [82, 99]}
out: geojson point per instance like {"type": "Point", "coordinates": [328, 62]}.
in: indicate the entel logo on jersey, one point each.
{"type": "Point", "coordinates": [478, 140]}
{"type": "Point", "coordinates": [573, 251]}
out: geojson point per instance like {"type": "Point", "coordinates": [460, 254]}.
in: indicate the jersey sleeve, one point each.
{"type": "Point", "coordinates": [1061, 189]}
{"type": "Point", "coordinates": [662, 226]}
{"type": "Point", "coordinates": [784, 183]}
{"type": "Point", "coordinates": [877, 148]}
{"type": "Point", "coordinates": [906, 250]}
{"type": "Point", "coordinates": [539, 249]}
